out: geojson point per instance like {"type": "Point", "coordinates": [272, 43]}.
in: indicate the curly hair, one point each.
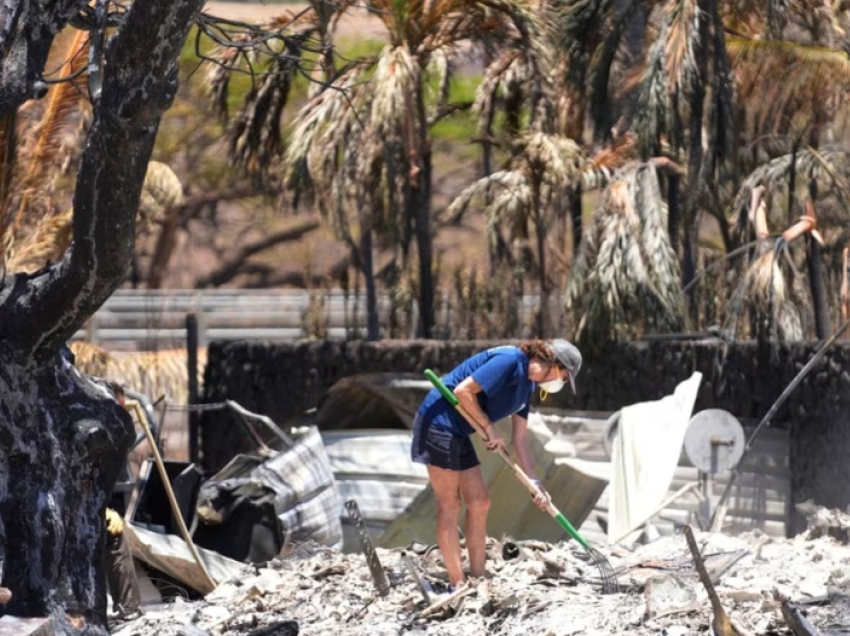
{"type": "Point", "coordinates": [538, 349]}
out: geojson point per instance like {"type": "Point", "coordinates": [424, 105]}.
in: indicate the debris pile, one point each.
{"type": "Point", "coordinates": [765, 586]}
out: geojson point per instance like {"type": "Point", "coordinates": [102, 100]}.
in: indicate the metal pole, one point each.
{"type": "Point", "coordinates": [192, 369]}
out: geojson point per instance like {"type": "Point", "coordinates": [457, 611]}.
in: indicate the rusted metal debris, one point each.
{"type": "Point", "coordinates": [411, 569]}
{"type": "Point", "coordinates": [379, 576]}
{"type": "Point", "coordinates": [794, 617]}
{"type": "Point", "coordinates": [720, 623]}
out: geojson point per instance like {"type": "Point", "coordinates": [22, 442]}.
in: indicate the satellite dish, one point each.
{"type": "Point", "coordinates": [714, 441]}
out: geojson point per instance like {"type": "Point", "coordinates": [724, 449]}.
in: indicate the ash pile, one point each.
{"type": "Point", "coordinates": [750, 584]}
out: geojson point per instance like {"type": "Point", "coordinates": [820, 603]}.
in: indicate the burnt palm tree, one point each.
{"type": "Point", "coordinates": [541, 168]}
{"type": "Point", "coordinates": [625, 280]}
{"type": "Point", "coordinates": [362, 145]}
{"type": "Point", "coordinates": [761, 204]}
{"type": "Point", "coordinates": [707, 95]}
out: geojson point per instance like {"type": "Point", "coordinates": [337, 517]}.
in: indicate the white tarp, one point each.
{"type": "Point", "coordinates": [645, 454]}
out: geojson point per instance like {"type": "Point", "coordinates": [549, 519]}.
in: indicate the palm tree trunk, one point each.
{"type": "Point", "coordinates": [818, 285]}
{"type": "Point", "coordinates": [792, 183]}
{"type": "Point", "coordinates": [696, 100]}
{"type": "Point", "coordinates": [575, 195]}
{"type": "Point", "coordinates": [674, 210]}
{"type": "Point", "coordinates": [817, 278]}
{"type": "Point", "coordinates": [540, 231]}
{"type": "Point", "coordinates": [368, 268]}
{"type": "Point", "coordinates": [421, 201]}
{"type": "Point", "coordinates": [634, 43]}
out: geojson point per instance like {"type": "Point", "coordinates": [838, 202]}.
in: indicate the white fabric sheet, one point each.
{"type": "Point", "coordinates": [645, 454]}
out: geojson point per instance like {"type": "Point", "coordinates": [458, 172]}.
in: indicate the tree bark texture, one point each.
{"type": "Point", "coordinates": [421, 201]}
{"type": "Point", "coordinates": [696, 99]}
{"type": "Point", "coordinates": [61, 437]}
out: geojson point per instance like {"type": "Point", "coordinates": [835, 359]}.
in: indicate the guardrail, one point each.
{"type": "Point", "coordinates": [155, 319]}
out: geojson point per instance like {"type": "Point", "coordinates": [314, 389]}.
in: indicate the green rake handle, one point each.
{"type": "Point", "coordinates": [518, 472]}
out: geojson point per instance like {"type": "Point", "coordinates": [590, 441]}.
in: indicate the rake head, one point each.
{"type": "Point", "coordinates": [606, 572]}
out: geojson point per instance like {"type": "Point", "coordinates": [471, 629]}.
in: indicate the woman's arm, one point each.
{"type": "Point", "coordinates": [466, 393]}
{"type": "Point", "coordinates": [519, 440]}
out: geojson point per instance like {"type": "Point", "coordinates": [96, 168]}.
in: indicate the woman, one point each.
{"type": "Point", "coordinates": [491, 385]}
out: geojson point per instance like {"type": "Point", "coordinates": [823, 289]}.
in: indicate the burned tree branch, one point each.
{"type": "Point", "coordinates": [232, 267]}
{"type": "Point", "coordinates": [139, 83]}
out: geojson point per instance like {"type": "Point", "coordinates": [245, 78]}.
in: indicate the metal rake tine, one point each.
{"type": "Point", "coordinates": [610, 585]}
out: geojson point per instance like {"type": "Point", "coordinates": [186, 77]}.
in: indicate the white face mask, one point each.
{"type": "Point", "coordinates": [553, 386]}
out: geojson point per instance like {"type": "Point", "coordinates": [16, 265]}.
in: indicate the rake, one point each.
{"type": "Point", "coordinates": [606, 573]}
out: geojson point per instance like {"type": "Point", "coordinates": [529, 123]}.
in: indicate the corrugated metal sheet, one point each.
{"type": "Point", "coordinates": [373, 467]}
{"type": "Point", "coordinates": [760, 497]}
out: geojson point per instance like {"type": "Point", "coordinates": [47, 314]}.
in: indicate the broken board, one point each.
{"type": "Point", "coordinates": [170, 554]}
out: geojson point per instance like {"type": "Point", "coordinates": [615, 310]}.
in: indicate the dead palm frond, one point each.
{"type": "Point", "coordinates": [41, 155]}
{"type": "Point", "coordinates": [45, 245]}
{"type": "Point", "coordinates": [52, 235]}
{"type": "Point", "coordinates": [522, 63]}
{"type": "Point", "coordinates": [830, 169]}
{"type": "Point", "coordinates": [655, 115]}
{"type": "Point", "coordinates": [8, 151]}
{"type": "Point", "coordinates": [682, 41]}
{"type": "Point", "coordinates": [814, 77]}
{"type": "Point", "coordinates": [602, 165]}
{"type": "Point", "coordinates": [318, 137]}
{"type": "Point", "coordinates": [32, 157]}
{"type": "Point", "coordinates": [771, 292]}
{"type": "Point", "coordinates": [161, 190]}
{"type": "Point", "coordinates": [541, 163]}
{"type": "Point", "coordinates": [156, 373]}
{"type": "Point", "coordinates": [625, 280]}
{"type": "Point", "coordinates": [272, 63]}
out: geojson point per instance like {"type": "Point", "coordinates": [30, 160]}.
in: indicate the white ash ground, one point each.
{"type": "Point", "coordinates": [548, 590]}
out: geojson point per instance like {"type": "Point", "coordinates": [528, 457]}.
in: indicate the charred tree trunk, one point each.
{"type": "Point", "coordinates": [818, 285]}
{"type": "Point", "coordinates": [574, 198]}
{"type": "Point", "coordinates": [63, 441]}
{"type": "Point", "coordinates": [543, 314]}
{"type": "Point", "coordinates": [696, 99]}
{"type": "Point", "coordinates": [674, 210]}
{"type": "Point", "coordinates": [368, 267]}
{"type": "Point", "coordinates": [62, 438]}
{"type": "Point", "coordinates": [817, 277]}
{"type": "Point", "coordinates": [421, 200]}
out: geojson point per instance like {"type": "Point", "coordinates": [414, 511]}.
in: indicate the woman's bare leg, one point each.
{"type": "Point", "coordinates": [446, 485]}
{"type": "Point", "coordinates": [473, 490]}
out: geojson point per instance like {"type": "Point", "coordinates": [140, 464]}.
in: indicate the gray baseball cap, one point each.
{"type": "Point", "coordinates": [568, 355]}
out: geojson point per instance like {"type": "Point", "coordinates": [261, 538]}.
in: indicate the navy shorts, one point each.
{"type": "Point", "coordinates": [443, 449]}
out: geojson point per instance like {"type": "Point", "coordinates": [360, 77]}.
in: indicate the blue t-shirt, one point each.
{"type": "Point", "coordinates": [502, 373]}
